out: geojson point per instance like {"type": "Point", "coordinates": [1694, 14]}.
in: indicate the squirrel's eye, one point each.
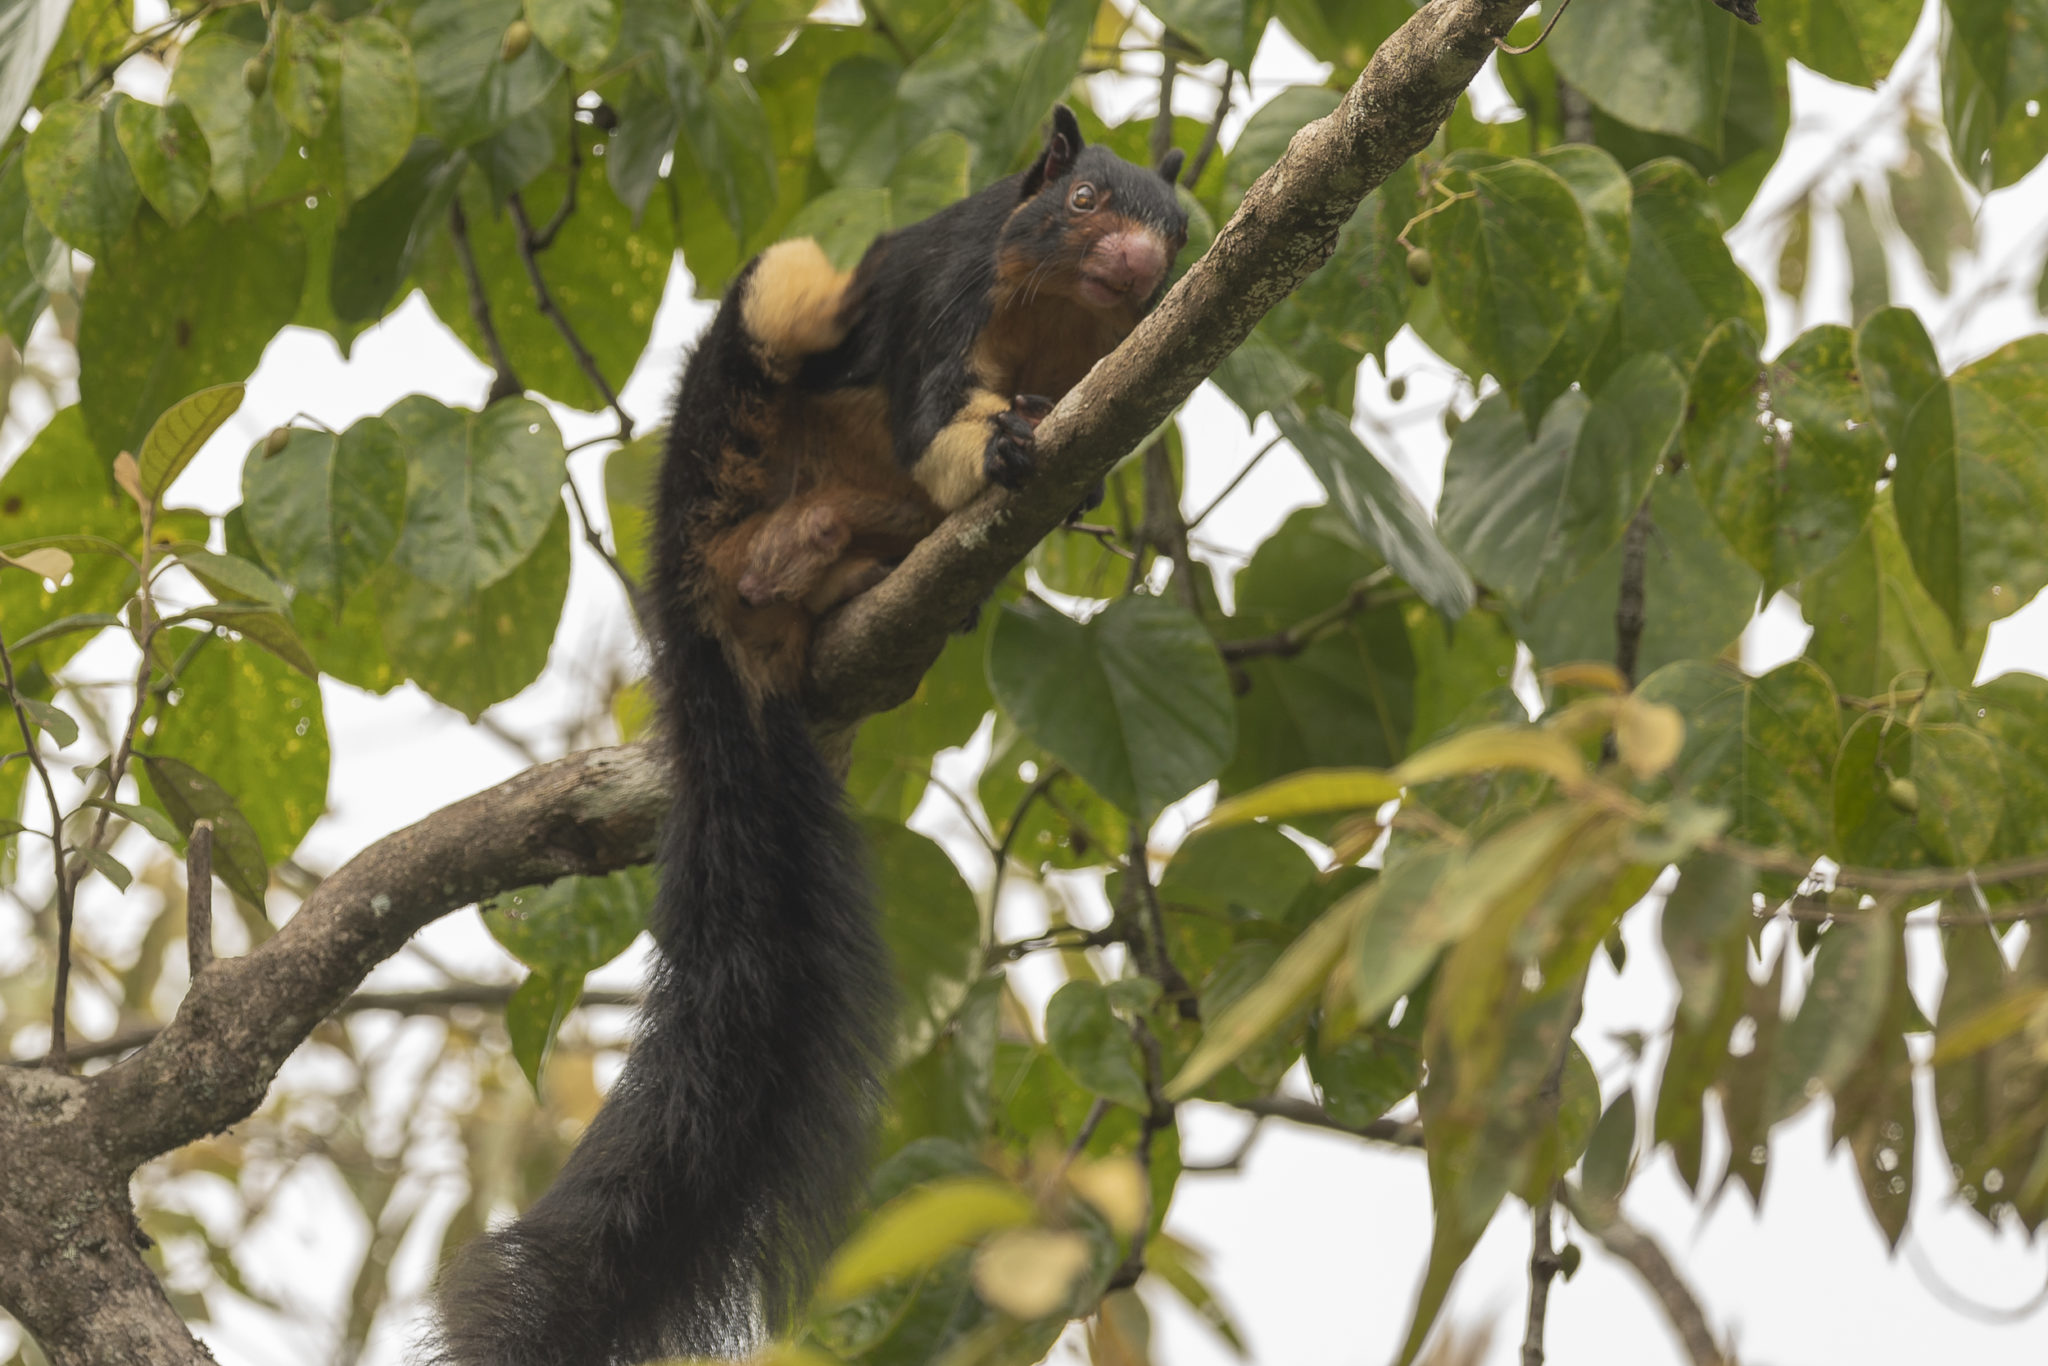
{"type": "Point", "coordinates": [1082, 199]}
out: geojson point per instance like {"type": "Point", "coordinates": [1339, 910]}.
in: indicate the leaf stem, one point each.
{"type": "Point", "coordinates": [67, 884]}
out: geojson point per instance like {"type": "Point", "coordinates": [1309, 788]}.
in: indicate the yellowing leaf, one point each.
{"type": "Point", "coordinates": [1308, 793]}
{"type": "Point", "coordinates": [1648, 736]}
{"type": "Point", "coordinates": [2000, 1020]}
{"type": "Point", "coordinates": [917, 1228]}
{"type": "Point", "coordinates": [176, 436]}
{"type": "Point", "coordinates": [1586, 673]}
{"type": "Point", "coordinates": [1029, 1272]}
{"type": "Point", "coordinates": [48, 563]}
{"type": "Point", "coordinates": [1116, 1187]}
{"type": "Point", "coordinates": [1487, 747]}
{"type": "Point", "coordinates": [1291, 981]}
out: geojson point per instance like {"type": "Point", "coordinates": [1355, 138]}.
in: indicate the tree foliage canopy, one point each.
{"type": "Point", "coordinates": [1408, 874]}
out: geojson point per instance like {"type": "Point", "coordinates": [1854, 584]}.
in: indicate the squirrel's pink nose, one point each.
{"type": "Point", "coordinates": [1129, 262]}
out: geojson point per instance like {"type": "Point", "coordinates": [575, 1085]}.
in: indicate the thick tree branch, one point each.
{"type": "Point", "coordinates": [870, 656]}
{"type": "Point", "coordinates": [242, 1017]}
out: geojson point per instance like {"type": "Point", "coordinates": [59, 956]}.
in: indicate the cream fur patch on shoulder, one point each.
{"type": "Point", "coordinates": [793, 300]}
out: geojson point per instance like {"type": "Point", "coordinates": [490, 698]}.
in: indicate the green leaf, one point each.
{"type": "Point", "coordinates": [81, 621]}
{"type": "Point", "coordinates": [1992, 65]}
{"type": "Point", "coordinates": [1705, 593]}
{"type": "Point", "coordinates": [1135, 700]}
{"type": "Point", "coordinates": [1291, 982]}
{"type": "Point", "coordinates": [1706, 914]}
{"type": "Point", "coordinates": [1605, 198]}
{"type": "Point", "coordinates": [255, 726]}
{"type": "Point", "coordinates": [1874, 825]}
{"type": "Point", "coordinates": [533, 1017]}
{"type": "Point", "coordinates": [382, 237]}
{"type": "Point", "coordinates": [1681, 282]}
{"type": "Point", "coordinates": [1956, 772]}
{"type": "Point", "coordinates": [466, 90]}
{"type": "Point", "coordinates": [1929, 204]}
{"type": "Point", "coordinates": [1874, 627]}
{"type": "Point", "coordinates": [78, 179]}
{"type": "Point", "coordinates": [932, 927]}
{"type": "Point", "coordinates": [1970, 489]}
{"type": "Point", "coordinates": [1511, 254]}
{"type": "Point", "coordinates": [187, 796]}
{"type": "Point", "coordinates": [168, 156]}
{"type": "Point", "coordinates": [1657, 65]}
{"type": "Point", "coordinates": [230, 577]}
{"type": "Point", "coordinates": [245, 136]}
{"type": "Point", "coordinates": [29, 30]}
{"type": "Point", "coordinates": [581, 32]}
{"type": "Point", "coordinates": [1786, 455]}
{"type": "Point", "coordinates": [1218, 28]}
{"type": "Point", "coordinates": [1874, 1112]}
{"type": "Point", "coordinates": [379, 108]}
{"type": "Point", "coordinates": [1762, 747]}
{"type": "Point", "coordinates": [1348, 699]}
{"type": "Point", "coordinates": [176, 436]}
{"type": "Point", "coordinates": [572, 925]}
{"type": "Point", "coordinates": [267, 626]}
{"type": "Point", "coordinates": [861, 130]}
{"type": "Point", "coordinates": [22, 294]}
{"type": "Point", "coordinates": [1870, 270]}
{"type": "Point", "coordinates": [1610, 1155]}
{"type": "Point", "coordinates": [60, 486]}
{"type": "Point", "coordinates": [892, 755]}
{"type": "Point", "coordinates": [1094, 1046]}
{"type": "Point", "coordinates": [105, 864]}
{"type": "Point", "coordinates": [845, 222]}
{"type": "Point", "coordinates": [325, 512]}
{"type": "Point", "coordinates": [484, 488]}
{"type": "Point", "coordinates": [1581, 476]}
{"type": "Point", "coordinates": [605, 275]}
{"type": "Point", "coordinates": [1844, 1002]}
{"type": "Point", "coordinates": [53, 721]}
{"type": "Point", "coordinates": [1850, 40]}
{"type": "Point", "coordinates": [306, 78]}
{"type": "Point", "coordinates": [993, 45]}
{"type": "Point", "coordinates": [150, 819]}
{"type": "Point", "coordinates": [1380, 509]}
{"type": "Point", "coordinates": [1261, 376]}
{"type": "Point", "coordinates": [171, 313]}
{"type": "Point", "coordinates": [476, 649]}
{"type": "Point", "coordinates": [727, 140]}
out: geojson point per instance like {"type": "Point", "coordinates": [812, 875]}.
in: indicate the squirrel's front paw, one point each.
{"type": "Point", "coordinates": [1012, 450]}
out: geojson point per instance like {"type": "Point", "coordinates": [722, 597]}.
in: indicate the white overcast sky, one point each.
{"type": "Point", "coordinates": [1318, 1245]}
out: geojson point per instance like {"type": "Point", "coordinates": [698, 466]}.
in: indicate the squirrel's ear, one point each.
{"type": "Point", "coordinates": [1169, 165]}
{"type": "Point", "coordinates": [1062, 145]}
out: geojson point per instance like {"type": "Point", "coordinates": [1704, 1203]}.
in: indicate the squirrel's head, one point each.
{"type": "Point", "coordinates": [1092, 226]}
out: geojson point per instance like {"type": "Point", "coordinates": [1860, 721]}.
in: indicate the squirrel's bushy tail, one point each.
{"type": "Point", "coordinates": [718, 1171]}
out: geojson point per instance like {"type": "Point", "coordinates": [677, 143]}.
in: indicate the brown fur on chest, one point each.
{"type": "Point", "coordinates": [1043, 343]}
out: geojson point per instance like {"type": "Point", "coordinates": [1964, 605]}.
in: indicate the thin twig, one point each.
{"type": "Point", "coordinates": [505, 380]}
{"type": "Point", "coordinates": [431, 1001]}
{"type": "Point", "coordinates": [199, 896]}
{"type": "Point", "coordinates": [529, 244]}
{"type": "Point", "coordinates": [1235, 480]}
{"type": "Point", "coordinates": [1397, 1133]}
{"type": "Point", "coordinates": [1014, 828]}
{"type": "Point", "coordinates": [1162, 122]}
{"type": "Point", "coordinates": [1199, 162]}
{"type": "Point", "coordinates": [1298, 637]}
{"type": "Point", "coordinates": [1523, 51]}
{"type": "Point", "coordinates": [1235, 1162]}
{"type": "Point", "coordinates": [604, 552]}
{"type": "Point", "coordinates": [1164, 526]}
{"type": "Point", "coordinates": [545, 238]}
{"type": "Point", "coordinates": [1148, 945]}
{"type": "Point", "coordinates": [1648, 1261]}
{"type": "Point", "coordinates": [1159, 1116]}
{"type": "Point", "coordinates": [1543, 1268]}
{"type": "Point", "coordinates": [67, 882]}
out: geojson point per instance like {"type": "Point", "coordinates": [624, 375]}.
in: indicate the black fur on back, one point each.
{"type": "Point", "coordinates": [720, 1168]}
